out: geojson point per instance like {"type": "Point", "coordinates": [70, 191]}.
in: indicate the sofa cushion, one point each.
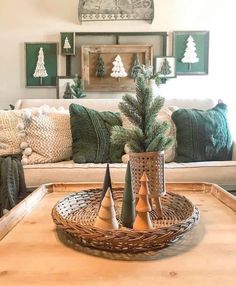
{"type": "Point", "coordinates": [203, 135]}
{"type": "Point", "coordinates": [91, 135]}
{"type": "Point", "coordinates": [221, 172]}
{"type": "Point", "coordinates": [47, 135]}
{"type": "Point", "coordinates": [10, 132]}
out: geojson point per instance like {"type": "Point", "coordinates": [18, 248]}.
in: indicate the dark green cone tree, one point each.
{"type": "Point", "coordinates": [148, 134]}
{"type": "Point", "coordinates": [128, 204]}
{"type": "Point", "coordinates": [106, 183]}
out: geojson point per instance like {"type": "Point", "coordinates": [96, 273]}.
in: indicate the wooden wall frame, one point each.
{"type": "Point", "coordinates": [89, 56]}
{"type": "Point", "coordinates": [158, 39]}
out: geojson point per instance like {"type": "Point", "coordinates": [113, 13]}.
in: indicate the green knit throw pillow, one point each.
{"type": "Point", "coordinates": [203, 135]}
{"type": "Point", "coordinates": [91, 135]}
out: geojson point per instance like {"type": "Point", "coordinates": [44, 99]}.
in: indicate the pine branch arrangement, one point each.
{"type": "Point", "coordinates": [148, 134]}
{"type": "Point", "coordinates": [77, 87]}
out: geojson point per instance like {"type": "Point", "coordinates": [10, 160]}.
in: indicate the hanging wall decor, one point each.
{"type": "Point", "coordinates": [68, 43]}
{"type": "Point", "coordinates": [166, 67]}
{"type": "Point", "coordinates": [64, 86]}
{"type": "Point", "coordinates": [118, 62]}
{"type": "Point", "coordinates": [113, 10]}
{"type": "Point", "coordinates": [191, 49]}
{"type": "Point", "coordinates": [41, 64]}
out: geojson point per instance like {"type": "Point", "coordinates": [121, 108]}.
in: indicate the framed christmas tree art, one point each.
{"type": "Point", "coordinates": [191, 50]}
{"type": "Point", "coordinates": [166, 67]}
{"type": "Point", "coordinates": [41, 64]}
{"type": "Point", "coordinates": [68, 43]}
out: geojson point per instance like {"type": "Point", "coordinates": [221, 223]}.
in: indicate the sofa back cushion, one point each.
{"type": "Point", "coordinates": [47, 136]}
{"type": "Point", "coordinates": [10, 132]}
{"type": "Point", "coordinates": [111, 104]}
{"type": "Point", "coordinates": [91, 132]}
{"type": "Point", "coordinates": [203, 135]}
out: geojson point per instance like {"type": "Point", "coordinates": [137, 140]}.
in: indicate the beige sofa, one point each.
{"type": "Point", "coordinates": [220, 172]}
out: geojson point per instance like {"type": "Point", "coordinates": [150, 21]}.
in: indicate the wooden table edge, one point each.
{"type": "Point", "coordinates": [15, 215]}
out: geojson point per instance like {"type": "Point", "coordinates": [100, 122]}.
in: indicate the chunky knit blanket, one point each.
{"type": "Point", "coordinates": [12, 182]}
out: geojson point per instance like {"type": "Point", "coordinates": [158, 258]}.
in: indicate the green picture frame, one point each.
{"type": "Point", "coordinates": [196, 44]}
{"type": "Point", "coordinates": [68, 39]}
{"type": "Point", "coordinates": [50, 59]}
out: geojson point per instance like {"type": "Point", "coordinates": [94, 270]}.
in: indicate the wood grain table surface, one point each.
{"type": "Point", "coordinates": [32, 254]}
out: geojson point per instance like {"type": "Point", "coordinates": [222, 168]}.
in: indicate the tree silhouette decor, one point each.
{"type": "Point", "coordinates": [128, 202]}
{"type": "Point", "coordinates": [106, 218]}
{"type": "Point", "coordinates": [118, 70]}
{"type": "Point", "coordinates": [40, 70]}
{"type": "Point", "coordinates": [100, 68]}
{"type": "Point", "coordinates": [190, 56]}
{"type": "Point", "coordinates": [143, 220]}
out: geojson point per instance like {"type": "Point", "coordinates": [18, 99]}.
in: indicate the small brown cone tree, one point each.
{"type": "Point", "coordinates": [106, 218]}
{"type": "Point", "coordinates": [143, 220]}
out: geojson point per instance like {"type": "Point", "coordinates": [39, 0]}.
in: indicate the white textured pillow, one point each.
{"type": "Point", "coordinates": [164, 115]}
{"type": "Point", "coordinates": [10, 121]}
{"type": "Point", "coordinates": [47, 135]}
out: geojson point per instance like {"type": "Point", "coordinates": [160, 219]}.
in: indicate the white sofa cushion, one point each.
{"type": "Point", "coordinates": [47, 136]}
{"type": "Point", "coordinates": [222, 173]}
{"type": "Point", "coordinates": [10, 122]}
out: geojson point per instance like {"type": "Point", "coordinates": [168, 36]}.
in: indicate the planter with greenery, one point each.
{"type": "Point", "coordinates": [146, 139]}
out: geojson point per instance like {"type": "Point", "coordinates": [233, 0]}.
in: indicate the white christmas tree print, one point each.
{"type": "Point", "coordinates": [190, 55]}
{"type": "Point", "coordinates": [40, 70]}
{"type": "Point", "coordinates": [118, 69]}
{"type": "Point", "coordinates": [66, 44]}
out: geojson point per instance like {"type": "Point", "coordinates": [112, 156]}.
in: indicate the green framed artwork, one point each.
{"type": "Point", "coordinates": [191, 50]}
{"type": "Point", "coordinates": [41, 64]}
{"type": "Point", "coordinates": [67, 43]}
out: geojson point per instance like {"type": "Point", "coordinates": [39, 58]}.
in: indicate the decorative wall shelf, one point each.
{"type": "Point", "coordinates": [116, 10]}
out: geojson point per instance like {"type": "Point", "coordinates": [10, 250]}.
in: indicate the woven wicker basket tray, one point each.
{"type": "Point", "coordinates": [75, 214]}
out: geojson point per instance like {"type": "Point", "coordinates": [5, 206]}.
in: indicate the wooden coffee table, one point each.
{"type": "Point", "coordinates": [32, 254]}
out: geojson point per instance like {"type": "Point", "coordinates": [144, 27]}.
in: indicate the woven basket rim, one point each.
{"type": "Point", "coordinates": [146, 154]}
{"type": "Point", "coordinates": [55, 213]}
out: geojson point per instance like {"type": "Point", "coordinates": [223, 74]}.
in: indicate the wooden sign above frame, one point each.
{"type": "Point", "coordinates": [90, 54]}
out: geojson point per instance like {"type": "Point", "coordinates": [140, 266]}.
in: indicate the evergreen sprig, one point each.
{"type": "Point", "coordinates": [148, 134]}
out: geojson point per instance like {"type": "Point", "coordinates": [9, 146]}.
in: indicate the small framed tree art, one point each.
{"type": "Point", "coordinates": [70, 87]}
{"type": "Point", "coordinates": [166, 67]}
{"type": "Point", "coordinates": [41, 64]}
{"type": "Point", "coordinates": [191, 50]}
{"type": "Point", "coordinates": [68, 43]}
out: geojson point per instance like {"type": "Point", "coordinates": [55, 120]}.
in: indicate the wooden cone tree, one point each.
{"type": "Point", "coordinates": [128, 203]}
{"type": "Point", "coordinates": [106, 183]}
{"type": "Point", "coordinates": [106, 218]}
{"type": "Point", "coordinates": [143, 220]}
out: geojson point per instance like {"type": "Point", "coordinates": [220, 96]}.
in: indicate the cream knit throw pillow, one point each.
{"type": "Point", "coordinates": [164, 115]}
{"type": "Point", "coordinates": [10, 124]}
{"type": "Point", "coordinates": [47, 135]}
